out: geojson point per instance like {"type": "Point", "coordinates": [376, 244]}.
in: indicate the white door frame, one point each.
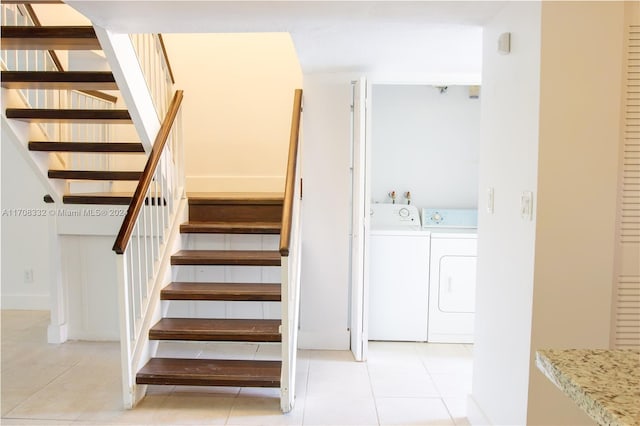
{"type": "Point", "coordinates": [361, 206]}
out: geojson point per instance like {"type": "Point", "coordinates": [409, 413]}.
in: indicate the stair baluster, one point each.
{"type": "Point", "coordinates": [144, 245]}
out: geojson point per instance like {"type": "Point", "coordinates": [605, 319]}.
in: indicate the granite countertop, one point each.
{"type": "Point", "coordinates": [604, 383]}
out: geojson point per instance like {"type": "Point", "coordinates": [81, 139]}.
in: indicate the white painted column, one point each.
{"type": "Point", "coordinates": [57, 331]}
{"type": "Point", "coordinates": [128, 74]}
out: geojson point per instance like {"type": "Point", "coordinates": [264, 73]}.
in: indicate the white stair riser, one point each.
{"type": "Point", "coordinates": [226, 350]}
{"type": "Point", "coordinates": [230, 242]}
{"type": "Point", "coordinates": [81, 187]}
{"type": "Point", "coordinates": [222, 309]}
{"type": "Point", "coordinates": [231, 274]}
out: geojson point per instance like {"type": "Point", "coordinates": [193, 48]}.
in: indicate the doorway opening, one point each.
{"type": "Point", "coordinates": [418, 145]}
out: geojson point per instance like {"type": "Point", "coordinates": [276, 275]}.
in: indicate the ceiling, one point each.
{"type": "Point", "coordinates": [385, 37]}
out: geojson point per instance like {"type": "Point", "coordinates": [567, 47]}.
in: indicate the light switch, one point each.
{"type": "Point", "coordinates": [504, 43]}
{"type": "Point", "coordinates": [490, 200]}
{"type": "Point", "coordinates": [526, 205]}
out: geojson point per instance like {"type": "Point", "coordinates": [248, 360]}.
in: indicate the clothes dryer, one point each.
{"type": "Point", "coordinates": [452, 274]}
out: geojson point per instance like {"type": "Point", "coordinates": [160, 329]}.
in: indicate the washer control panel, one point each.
{"type": "Point", "coordinates": [450, 218]}
{"type": "Point", "coordinates": [394, 216]}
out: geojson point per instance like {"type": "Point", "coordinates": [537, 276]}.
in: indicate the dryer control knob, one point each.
{"type": "Point", "coordinates": [436, 217]}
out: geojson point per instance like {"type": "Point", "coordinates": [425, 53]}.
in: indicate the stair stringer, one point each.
{"type": "Point", "coordinates": [131, 82]}
{"type": "Point", "coordinates": [19, 133]}
{"type": "Point", "coordinates": [134, 355]}
{"type": "Point", "coordinates": [291, 274]}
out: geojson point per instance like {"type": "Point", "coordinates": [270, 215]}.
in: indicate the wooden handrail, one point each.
{"type": "Point", "coordinates": [54, 56]}
{"type": "Point", "coordinates": [166, 58]}
{"type": "Point", "coordinates": [147, 175]}
{"type": "Point", "coordinates": [30, 1]}
{"type": "Point", "coordinates": [100, 95]}
{"type": "Point", "coordinates": [290, 184]}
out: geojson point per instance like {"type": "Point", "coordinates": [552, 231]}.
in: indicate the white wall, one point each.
{"type": "Point", "coordinates": [237, 107]}
{"type": "Point", "coordinates": [89, 275]}
{"type": "Point", "coordinates": [506, 242]}
{"type": "Point", "coordinates": [24, 239]}
{"type": "Point", "coordinates": [580, 111]}
{"type": "Point", "coordinates": [324, 293]}
{"type": "Point", "coordinates": [425, 142]}
{"type": "Point", "coordinates": [550, 125]}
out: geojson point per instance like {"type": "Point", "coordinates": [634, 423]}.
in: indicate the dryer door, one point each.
{"type": "Point", "coordinates": [452, 286]}
{"type": "Point", "coordinates": [457, 286]}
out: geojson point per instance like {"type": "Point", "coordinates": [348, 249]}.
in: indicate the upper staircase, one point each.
{"type": "Point", "coordinates": [75, 105]}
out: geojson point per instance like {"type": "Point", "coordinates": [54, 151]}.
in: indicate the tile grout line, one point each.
{"type": "Point", "coordinates": [40, 390]}
{"type": "Point", "coordinates": [373, 395]}
{"type": "Point", "coordinates": [306, 392]}
{"type": "Point", "coordinates": [441, 398]}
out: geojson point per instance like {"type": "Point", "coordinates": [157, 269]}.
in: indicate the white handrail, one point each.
{"type": "Point", "coordinates": [155, 68]}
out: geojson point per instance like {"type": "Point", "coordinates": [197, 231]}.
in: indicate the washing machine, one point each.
{"type": "Point", "coordinates": [452, 274]}
{"type": "Point", "coordinates": [398, 274]}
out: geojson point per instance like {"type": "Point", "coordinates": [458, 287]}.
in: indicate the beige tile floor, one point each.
{"type": "Point", "coordinates": [78, 383]}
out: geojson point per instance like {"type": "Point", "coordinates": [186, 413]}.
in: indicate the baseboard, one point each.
{"type": "Point", "coordinates": [235, 183]}
{"type": "Point", "coordinates": [475, 415]}
{"type": "Point", "coordinates": [57, 333]}
{"type": "Point", "coordinates": [93, 336]}
{"type": "Point", "coordinates": [324, 340]}
{"type": "Point", "coordinates": [25, 302]}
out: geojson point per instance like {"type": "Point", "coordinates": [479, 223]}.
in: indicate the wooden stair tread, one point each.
{"type": "Point", "coordinates": [244, 330]}
{"type": "Point", "coordinates": [221, 291]}
{"type": "Point", "coordinates": [230, 228]}
{"type": "Point", "coordinates": [122, 147]}
{"type": "Point", "coordinates": [227, 257]}
{"type": "Point", "coordinates": [218, 198]}
{"type": "Point", "coordinates": [235, 207]}
{"type": "Point", "coordinates": [44, 115]}
{"type": "Point", "coordinates": [210, 372]}
{"type": "Point", "coordinates": [108, 198]}
{"type": "Point", "coordinates": [98, 199]}
{"type": "Point", "coordinates": [49, 38]}
{"type": "Point", "coordinates": [94, 175]}
{"type": "Point", "coordinates": [64, 80]}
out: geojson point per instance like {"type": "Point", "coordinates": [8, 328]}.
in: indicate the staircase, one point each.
{"type": "Point", "coordinates": [229, 274]}
{"type": "Point", "coordinates": [215, 220]}
{"type": "Point", "coordinates": [85, 161]}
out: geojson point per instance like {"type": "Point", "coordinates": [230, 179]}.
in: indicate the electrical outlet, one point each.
{"type": "Point", "coordinates": [28, 276]}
